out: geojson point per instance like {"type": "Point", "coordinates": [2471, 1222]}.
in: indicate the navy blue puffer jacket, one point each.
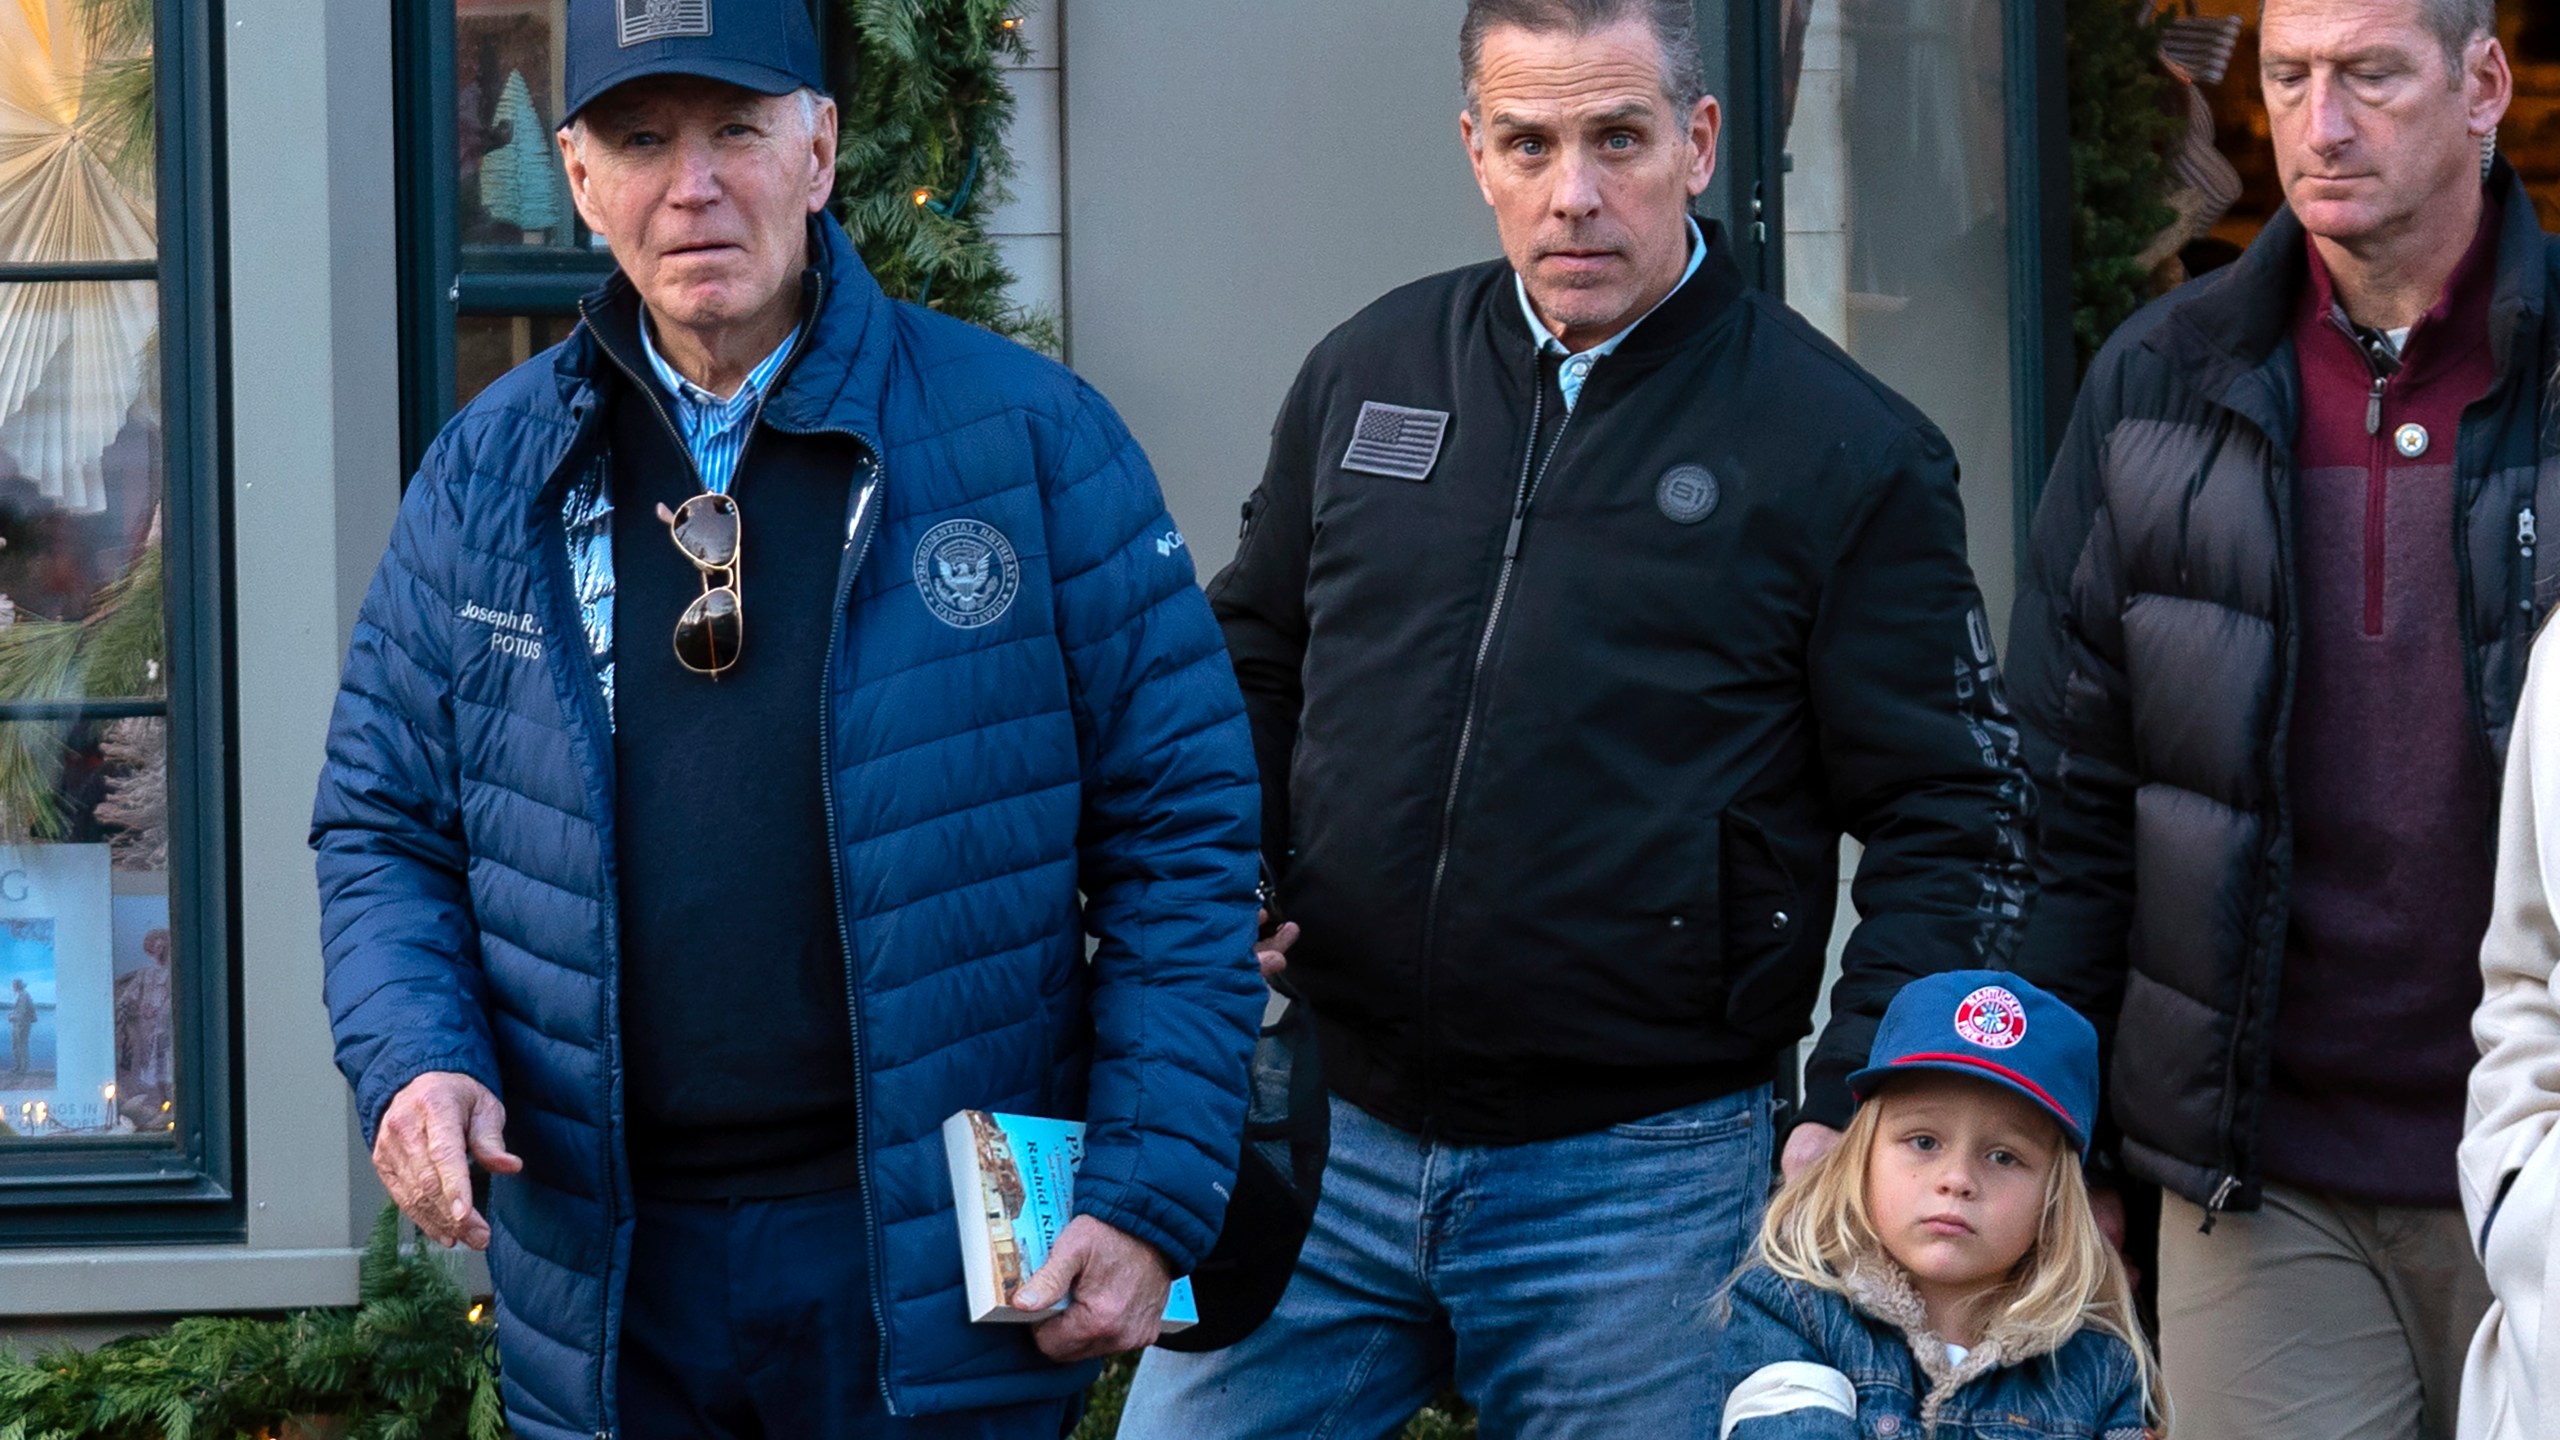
{"type": "Point", "coordinates": [1078, 765]}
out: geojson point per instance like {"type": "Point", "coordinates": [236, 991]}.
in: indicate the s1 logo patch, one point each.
{"type": "Point", "coordinates": [1687, 494]}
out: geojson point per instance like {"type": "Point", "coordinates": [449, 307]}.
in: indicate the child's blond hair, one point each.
{"type": "Point", "coordinates": [1818, 1231]}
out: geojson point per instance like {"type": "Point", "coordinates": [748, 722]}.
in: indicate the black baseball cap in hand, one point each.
{"type": "Point", "coordinates": [767, 46]}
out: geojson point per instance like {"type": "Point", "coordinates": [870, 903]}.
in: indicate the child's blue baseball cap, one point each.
{"type": "Point", "coordinates": [1994, 1027]}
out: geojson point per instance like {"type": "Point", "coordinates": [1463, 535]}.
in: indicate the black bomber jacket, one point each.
{"type": "Point", "coordinates": [1556, 761]}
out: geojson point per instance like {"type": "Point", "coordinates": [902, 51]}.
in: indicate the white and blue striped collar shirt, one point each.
{"type": "Point", "coordinates": [715, 430]}
{"type": "Point", "coordinates": [1577, 364]}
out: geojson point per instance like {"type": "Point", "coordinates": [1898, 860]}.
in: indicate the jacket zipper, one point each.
{"type": "Point", "coordinates": [612, 1024]}
{"type": "Point", "coordinates": [858, 535]}
{"type": "Point", "coordinates": [2524, 551]}
{"type": "Point", "coordinates": [2221, 1200]}
{"type": "Point", "coordinates": [1533, 470]}
{"type": "Point", "coordinates": [2227, 1119]}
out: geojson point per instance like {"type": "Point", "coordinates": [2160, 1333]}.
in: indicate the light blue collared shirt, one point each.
{"type": "Point", "coordinates": [715, 430]}
{"type": "Point", "coordinates": [1577, 365]}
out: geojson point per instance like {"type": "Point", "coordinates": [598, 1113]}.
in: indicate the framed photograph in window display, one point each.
{"type": "Point", "coordinates": [56, 958]}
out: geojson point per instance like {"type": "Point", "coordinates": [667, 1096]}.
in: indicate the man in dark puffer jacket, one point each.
{"type": "Point", "coordinates": [2275, 619]}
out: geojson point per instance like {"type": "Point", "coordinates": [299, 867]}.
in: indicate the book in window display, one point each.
{"type": "Point", "coordinates": [57, 990]}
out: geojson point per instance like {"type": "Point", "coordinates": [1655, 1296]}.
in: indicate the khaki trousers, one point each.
{"type": "Point", "coordinates": [2316, 1318]}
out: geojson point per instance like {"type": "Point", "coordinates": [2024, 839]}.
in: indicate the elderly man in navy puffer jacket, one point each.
{"type": "Point", "coordinates": [765, 693]}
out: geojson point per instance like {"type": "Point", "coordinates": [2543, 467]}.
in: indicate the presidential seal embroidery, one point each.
{"type": "Point", "coordinates": [1992, 1018]}
{"type": "Point", "coordinates": [967, 573]}
{"type": "Point", "coordinates": [1687, 494]}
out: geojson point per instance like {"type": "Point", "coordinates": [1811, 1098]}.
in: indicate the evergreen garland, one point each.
{"type": "Point", "coordinates": [407, 1362]}
{"type": "Point", "coordinates": [922, 159]}
{"type": "Point", "coordinates": [2121, 128]}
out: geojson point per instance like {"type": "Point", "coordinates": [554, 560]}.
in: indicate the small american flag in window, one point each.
{"type": "Point", "coordinates": [1396, 441]}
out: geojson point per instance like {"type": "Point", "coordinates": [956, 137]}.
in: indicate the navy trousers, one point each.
{"type": "Point", "coordinates": [747, 1319]}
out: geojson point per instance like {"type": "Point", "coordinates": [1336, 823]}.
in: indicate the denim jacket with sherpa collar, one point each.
{"type": "Point", "coordinates": [1820, 1366]}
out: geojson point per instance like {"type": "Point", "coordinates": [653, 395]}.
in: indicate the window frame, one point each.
{"type": "Point", "coordinates": [130, 1189]}
{"type": "Point", "coordinates": [2042, 375]}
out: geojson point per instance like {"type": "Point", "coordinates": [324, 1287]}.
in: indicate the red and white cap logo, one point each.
{"type": "Point", "coordinates": [1992, 1018]}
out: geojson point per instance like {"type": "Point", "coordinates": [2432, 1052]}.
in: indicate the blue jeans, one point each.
{"type": "Point", "coordinates": [1562, 1285]}
{"type": "Point", "coordinates": [751, 1318]}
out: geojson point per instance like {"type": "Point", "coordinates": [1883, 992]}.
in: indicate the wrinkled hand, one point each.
{"type": "Point", "coordinates": [1806, 1144]}
{"type": "Point", "coordinates": [436, 1126]}
{"type": "Point", "coordinates": [1117, 1283]}
{"type": "Point", "coordinates": [1271, 952]}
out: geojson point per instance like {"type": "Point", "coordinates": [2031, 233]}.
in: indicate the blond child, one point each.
{"type": "Point", "coordinates": [1940, 1273]}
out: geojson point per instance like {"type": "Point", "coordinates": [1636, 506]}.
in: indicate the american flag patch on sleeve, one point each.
{"type": "Point", "coordinates": [1396, 441]}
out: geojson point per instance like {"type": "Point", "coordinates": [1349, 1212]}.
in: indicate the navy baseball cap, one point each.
{"type": "Point", "coordinates": [767, 46]}
{"type": "Point", "coordinates": [1994, 1027]}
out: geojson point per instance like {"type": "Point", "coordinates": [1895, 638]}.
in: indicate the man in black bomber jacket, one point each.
{"type": "Point", "coordinates": [1567, 672]}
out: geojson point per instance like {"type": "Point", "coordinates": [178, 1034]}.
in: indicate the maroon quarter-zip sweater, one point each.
{"type": "Point", "coordinates": [2392, 792]}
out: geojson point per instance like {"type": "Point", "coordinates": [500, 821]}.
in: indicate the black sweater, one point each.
{"type": "Point", "coordinates": [736, 1024]}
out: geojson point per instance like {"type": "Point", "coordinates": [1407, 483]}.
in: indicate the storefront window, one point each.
{"type": "Point", "coordinates": [1898, 226]}
{"type": "Point", "coordinates": [89, 1028]}
{"type": "Point", "coordinates": [510, 193]}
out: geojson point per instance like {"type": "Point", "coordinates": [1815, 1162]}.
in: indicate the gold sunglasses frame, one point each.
{"type": "Point", "coordinates": [731, 580]}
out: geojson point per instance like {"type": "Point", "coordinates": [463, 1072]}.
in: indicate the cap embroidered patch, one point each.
{"type": "Point", "coordinates": [1396, 441]}
{"type": "Point", "coordinates": [1992, 1018]}
{"type": "Point", "coordinates": [641, 21]}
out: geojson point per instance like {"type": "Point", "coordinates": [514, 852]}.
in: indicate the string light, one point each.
{"type": "Point", "coordinates": [959, 198]}
{"type": "Point", "coordinates": [1009, 23]}
{"type": "Point", "coordinates": [475, 1313]}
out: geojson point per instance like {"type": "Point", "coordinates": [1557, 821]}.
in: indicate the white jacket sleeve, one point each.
{"type": "Point", "coordinates": [2515, 1091]}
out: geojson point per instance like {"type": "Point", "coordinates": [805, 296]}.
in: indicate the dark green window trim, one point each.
{"type": "Point", "coordinates": [2041, 379]}
{"type": "Point", "coordinates": [133, 1190]}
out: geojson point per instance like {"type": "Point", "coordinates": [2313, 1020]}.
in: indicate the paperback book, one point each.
{"type": "Point", "coordinates": [1013, 1179]}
